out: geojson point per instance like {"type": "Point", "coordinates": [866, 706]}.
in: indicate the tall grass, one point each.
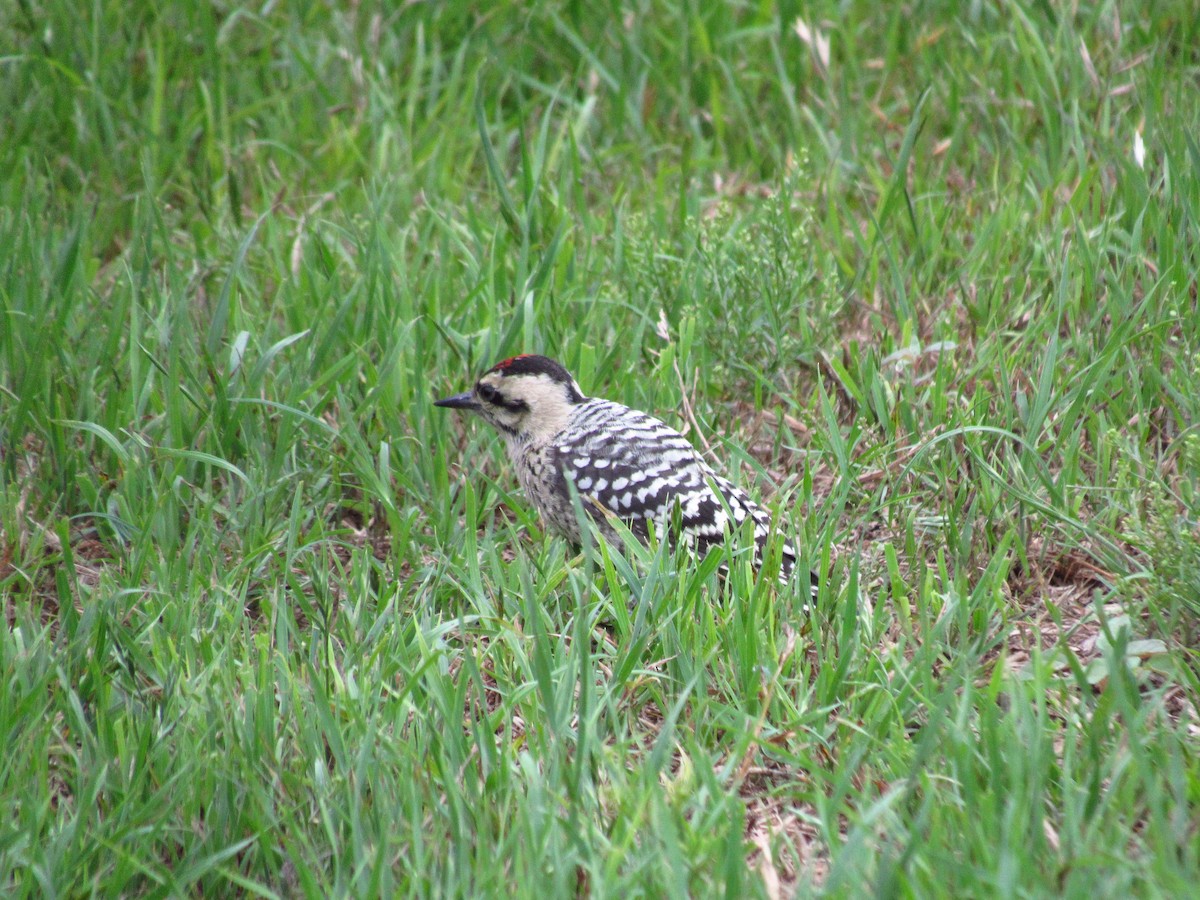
{"type": "Point", "coordinates": [921, 276]}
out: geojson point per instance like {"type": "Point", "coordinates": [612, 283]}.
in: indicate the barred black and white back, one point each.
{"type": "Point", "coordinates": [623, 463]}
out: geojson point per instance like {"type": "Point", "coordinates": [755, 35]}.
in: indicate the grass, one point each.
{"type": "Point", "coordinates": [275, 626]}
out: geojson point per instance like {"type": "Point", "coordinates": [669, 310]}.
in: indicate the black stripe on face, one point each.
{"type": "Point", "coordinates": [494, 396]}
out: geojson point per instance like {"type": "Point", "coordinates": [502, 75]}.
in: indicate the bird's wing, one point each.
{"type": "Point", "coordinates": [629, 464]}
{"type": "Point", "coordinates": [638, 469]}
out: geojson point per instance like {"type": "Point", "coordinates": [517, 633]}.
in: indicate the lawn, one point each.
{"type": "Point", "coordinates": [921, 277]}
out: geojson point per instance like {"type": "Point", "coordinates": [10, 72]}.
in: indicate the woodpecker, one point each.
{"type": "Point", "coordinates": [623, 463]}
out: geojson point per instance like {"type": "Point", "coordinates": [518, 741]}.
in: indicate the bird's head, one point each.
{"type": "Point", "coordinates": [526, 397]}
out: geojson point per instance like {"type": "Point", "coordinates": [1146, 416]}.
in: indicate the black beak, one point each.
{"type": "Point", "coordinates": [459, 401]}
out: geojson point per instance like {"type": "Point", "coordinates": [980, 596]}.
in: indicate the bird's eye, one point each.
{"type": "Point", "coordinates": [488, 393]}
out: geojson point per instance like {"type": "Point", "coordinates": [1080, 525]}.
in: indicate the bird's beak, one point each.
{"type": "Point", "coordinates": [465, 400]}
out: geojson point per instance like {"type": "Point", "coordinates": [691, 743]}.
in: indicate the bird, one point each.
{"type": "Point", "coordinates": [623, 463]}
